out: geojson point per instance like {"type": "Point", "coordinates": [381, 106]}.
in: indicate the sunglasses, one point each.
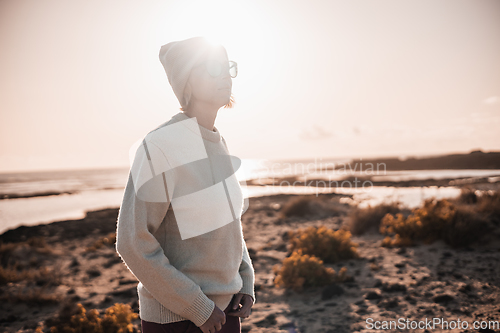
{"type": "Point", "coordinates": [215, 68]}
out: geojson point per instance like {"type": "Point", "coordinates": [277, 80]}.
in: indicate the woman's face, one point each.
{"type": "Point", "coordinates": [209, 89]}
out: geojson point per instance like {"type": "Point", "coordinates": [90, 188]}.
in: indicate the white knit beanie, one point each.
{"type": "Point", "coordinates": [178, 58]}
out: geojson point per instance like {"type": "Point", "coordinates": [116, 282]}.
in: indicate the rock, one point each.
{"type": "Point", "coordinates": [465, 288]}
{"type": "Point", "coordinates": [391, 287]}
{"type": "Point", "coordinates": [289, 326]}
{"type": "Point", "coordinates": [74, 262]}
{"type": "Point", "coordinates": [246, 328]}
{"type": "Point", "coordinates": [373, 295]}
{"type": "Point", "coordinates": [130, 292]}
{"type": "Point", "coordinates": [410, 299]}
{"type": "Point", "coordinates": [93, 272]}
{"type": "Point", "coordinates": [330, 291]}
{"type": "Point", "coordinates": [269, 320]}
{"type": "Point", "coordinates": [127, 281]}
{"type": "Point", "coordinates": [360, 303]}
{"type": "Point", "coordinates": [362, 310]}
{"type": "Point", "coordinates": [401, 250]}
{"type": "Point", "coordinates": [351, 284]}
{"type": "Point", "coordinates": [388, 303]}
{"type": "Point", "coordinates": [443, 298]}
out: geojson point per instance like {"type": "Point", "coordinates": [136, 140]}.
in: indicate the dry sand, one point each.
{"type": "Point", "coordinates": [425, 281]}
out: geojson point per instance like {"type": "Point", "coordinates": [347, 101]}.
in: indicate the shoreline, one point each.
{"type": "Point", "coordinates": [271, 191]}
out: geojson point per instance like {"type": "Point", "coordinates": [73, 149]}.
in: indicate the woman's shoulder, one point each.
{"type": "Point", "coordinates": [166, 132]}
{"type": "Point", "coordinates": [179, 141]}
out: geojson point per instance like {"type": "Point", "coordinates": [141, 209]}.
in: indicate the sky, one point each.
{"type": "Point", "coordinates": [81, 81]}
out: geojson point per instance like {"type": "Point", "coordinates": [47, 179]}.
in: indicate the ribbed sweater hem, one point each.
{"type": "Point", "coordinates": [153, 311]}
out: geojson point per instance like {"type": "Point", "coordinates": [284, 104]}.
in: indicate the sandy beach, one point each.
{"type": "Point", "coordinates": [75, 262]}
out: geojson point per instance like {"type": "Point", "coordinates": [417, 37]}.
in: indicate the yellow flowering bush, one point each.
{"type": "Point", "coordinates": [326, 244]}
{"type": "Point", "coordinates": [302, 270]}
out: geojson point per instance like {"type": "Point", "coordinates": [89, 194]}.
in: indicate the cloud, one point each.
{"type": "Point", "coordinates": [315, 133]}
{"type": "Point", "coordinates": [492, 100]}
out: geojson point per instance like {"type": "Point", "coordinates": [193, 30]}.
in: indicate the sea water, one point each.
{"type": "Point", "coordinates": [103, 188]}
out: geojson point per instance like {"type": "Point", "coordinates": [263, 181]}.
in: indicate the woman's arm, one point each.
{"type": "Point", "coordinates": [145, 203]}
{"type": "Point", "coordinates": [247, 273]}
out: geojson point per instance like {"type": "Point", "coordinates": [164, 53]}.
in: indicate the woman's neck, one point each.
{"type": "Point", "coordinates": [205, 116]}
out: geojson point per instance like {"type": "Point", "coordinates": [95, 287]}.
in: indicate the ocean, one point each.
{"type": "Point", "coordinates": [30, 198]}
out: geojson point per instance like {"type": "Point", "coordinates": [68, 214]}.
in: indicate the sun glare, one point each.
{"type": "Point", "coordinates": [248, 32]}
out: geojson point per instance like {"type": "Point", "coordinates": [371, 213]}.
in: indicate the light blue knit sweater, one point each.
{"type": "Point", "coordinates": [186, 245]}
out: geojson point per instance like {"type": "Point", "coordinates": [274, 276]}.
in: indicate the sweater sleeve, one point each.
{"type": "Point", "coordinates": [145, 204]}
{"type": "Point", "coordinates": [246, 268]}
{"type": "Point", "coordinates": [247, 273]}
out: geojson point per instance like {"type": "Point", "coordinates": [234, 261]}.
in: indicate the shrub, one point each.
{"type": "Point", "coordinates": [436, 219]}
{"type": "Point", "coordinates": [108, 240]}
{"type": "Point", "coordinates": [298, 206]}
{"type": "Point", "coordinates": [40, 276]}
{"type": "Point", "coordinates": [30, 295]}
{"type": "Point", "coordinates": [489, 204]}
{"type": "Point", "coordinates": [465, 228]}
{"type": "Point", "coordinates": [118, 318]}
{"type": "Point", "coordinates": [326, 244]}
{"type": "Point", "coordinates": [11, 253]}
{"type": "Point", "coordinates": [364, 219]}
{"type": "Point", "coordinates": [300, 271]}
{"type": "Point", "coordinates": [467, 196]}
{"type": "Point", "coordinates": [76, 319]}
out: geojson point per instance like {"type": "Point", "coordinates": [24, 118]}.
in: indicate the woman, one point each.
{"type": "Point", "coordinates": [179, 226]}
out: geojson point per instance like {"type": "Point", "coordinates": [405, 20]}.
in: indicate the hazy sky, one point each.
{"type": "Point", "coordinates": [81, 81]}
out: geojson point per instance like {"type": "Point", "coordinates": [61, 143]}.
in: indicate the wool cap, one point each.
{"type": "Point", "coordinates": [178, 58]}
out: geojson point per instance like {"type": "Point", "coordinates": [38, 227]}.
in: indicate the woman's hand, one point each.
{"type": "Point", "coordinates": [215, 322]}
{"type": "Point", "coordinates": [241, 305]}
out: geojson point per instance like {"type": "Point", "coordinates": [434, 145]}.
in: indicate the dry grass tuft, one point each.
{"type": "Point", "coordinates": [362, 220]}
{"type": "Point", "coordinates": [108, 240]}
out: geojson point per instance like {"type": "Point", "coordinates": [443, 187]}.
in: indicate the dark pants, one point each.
{"type": "Point", "coordinates": [232, 325]}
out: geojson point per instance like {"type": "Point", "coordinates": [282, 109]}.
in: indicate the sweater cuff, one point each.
{"type": "Point", "coordinates": [200, 310]}
{"type": "Point", "coordinates": [248, 286]}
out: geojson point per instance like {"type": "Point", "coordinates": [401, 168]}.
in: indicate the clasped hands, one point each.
{"type": "Point", "coordinates": [240, 306]}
